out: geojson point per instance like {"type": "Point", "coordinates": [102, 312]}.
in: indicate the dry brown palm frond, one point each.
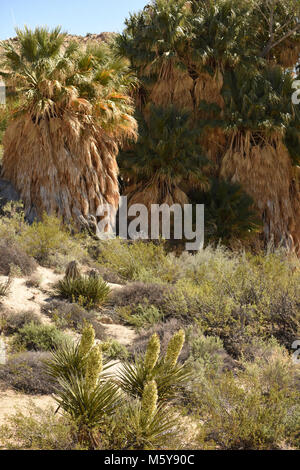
{"type": "Point", "coordinates": [288, 56]}
{"type": "Point", "coordinates": [263, 166]}
{"type": "Point", "coordinates": [173, 86]}
{"type": "Point", "coordinates": [159, 190]}
{"type": "Point", "coordinates": [208, 88]}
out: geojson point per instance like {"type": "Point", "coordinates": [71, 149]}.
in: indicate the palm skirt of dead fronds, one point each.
{"type": "Point", "coordinates": [61, 165]}
{"type": "Point", "coordinates": [264, 169]}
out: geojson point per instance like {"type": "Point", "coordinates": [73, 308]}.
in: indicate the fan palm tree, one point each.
{"type": "Point", "coordinates": [73, 114]}
{"type": "Point", "coordinates": [165, 160]}
{"type": "Point", "coordinates": [257, 113]}
{"type": "Point", "coordinates": [197, 44]}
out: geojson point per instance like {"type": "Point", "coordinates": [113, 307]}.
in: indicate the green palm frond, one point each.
{"type": "Point", "coordinates": [166, 149]}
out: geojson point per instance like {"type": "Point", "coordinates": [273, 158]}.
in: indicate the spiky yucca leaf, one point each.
{"type": "Point", "coordinates": [150, 425]}
{"type": "Point", "coordinates": [85, 405]}
{"type": "Point", "coordinates": [167, 374]}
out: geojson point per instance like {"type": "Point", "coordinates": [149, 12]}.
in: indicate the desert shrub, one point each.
{"type": "Point", "coordinates": [35, 337]}
{"type": "Point", "coordinates": [245, 417]}
{"type": "Point", "coordinates": [137, 293]}
{"type": "Point", "coordinates": [115, 350]}
{"type": "Point", "coordinates": [206, 353]}
{"type": "Point", "coordinates": [236, 297]}
{"type": "Point", "coordinates": [12, 255]}
{"type": "Point", "coordinates": [270, 365]}
{"type": "Point", "coordinates": [139, 261]}
{"type": "Point", "coordinates": [10, 323]}
{"type": "Point", "coordinates": [12, 222]}
{"type": "Point", "coordinates": [38, 429]}
{"type": "Point", "coordinates": [87, 291]}
{"type": "Point", "coordinates": [50, 242]}
{"type": "Point", "coordinates": [26, 372]}
{"type": "Point", "coordinates": [69, 315]}
{"type": "Point", "coordinates": [141, 317]}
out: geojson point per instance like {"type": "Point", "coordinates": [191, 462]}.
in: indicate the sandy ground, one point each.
{"type": "Point", "coordinates": [22, 298]}
{"type": "Point", "coordinates": [11, 401]}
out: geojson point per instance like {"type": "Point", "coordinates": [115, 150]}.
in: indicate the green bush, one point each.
{"type": "Point", "coordinates": [240, 415]}
{"type": "Point", "coordinates": [142, 316]}
{"type": "Point", "coordinates": [89, 292]}
{"type": "Point", "coordinates": [139, 261]}
{"type": "Point", "coordinates": [116, 350]}
{"type": "Point", "coordinates": [35, 337]}
{"type": "Point", "coordinates": [48, 239]}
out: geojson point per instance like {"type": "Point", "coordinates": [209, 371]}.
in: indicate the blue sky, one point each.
{"type": "Point", "coordinates": [76, 16]}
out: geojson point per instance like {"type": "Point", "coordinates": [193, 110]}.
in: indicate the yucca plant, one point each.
{"type": "Point", "coordinates": [150, 425]}
{"type": "Point", "coordinates": [88, 291]}
{"type": "Point", "coordinates": [82, 390]}
{"type": "Point", "coordinates": [166, 372]}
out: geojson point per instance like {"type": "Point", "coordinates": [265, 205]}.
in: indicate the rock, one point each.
{"type": "Point", "coordinates": [105, 320]}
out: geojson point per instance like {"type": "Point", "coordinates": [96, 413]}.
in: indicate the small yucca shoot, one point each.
{"type": "Point", "coordinates": [149, 402]}
{"type": "Point", "coordinates": [152, 353]}
{"type": "Point", "coordinates": [94, 367]}
{"type": "Point", "coordinates": [87, 340]}
{"type": "Point", "coordinates": [174, 348]}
